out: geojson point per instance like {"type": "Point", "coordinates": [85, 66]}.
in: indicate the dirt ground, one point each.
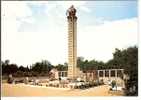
{"type": "Point", "coordinates": [14, 90]}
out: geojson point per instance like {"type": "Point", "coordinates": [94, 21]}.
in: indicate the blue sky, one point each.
{"type": "Point", "coordinates": [99, 10]}
{"type": "Point", "coordinates": [32, 31]}
{"type": "Point", "coordinates": [114, 10]}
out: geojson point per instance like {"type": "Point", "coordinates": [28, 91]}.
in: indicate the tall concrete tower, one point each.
{"type": "Point", "coordinates": [72, 43]}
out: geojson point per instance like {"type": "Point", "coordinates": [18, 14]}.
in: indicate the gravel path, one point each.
{"type": "Point", "coordinates": [26, 90]}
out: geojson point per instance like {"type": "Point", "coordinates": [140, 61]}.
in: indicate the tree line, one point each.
{"type": "Point", "coordinates": [122, 59]}
{"type": "Point", "coordinates": [126, 59]}
{"type": "Point", "coordinates": [41, 68]}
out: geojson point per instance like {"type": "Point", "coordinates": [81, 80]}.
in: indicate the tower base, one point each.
{"type": "Point", "coordinates": [75, 75]}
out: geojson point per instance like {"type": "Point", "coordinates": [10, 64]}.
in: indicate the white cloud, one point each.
{"type": "Point", "coordinates": [83, 8]}
{"type": "Point", "coordinates": [61, 6]}
{"type": "Point", "coordinates": [100, 41]}
{"type": "Point", "coordinates": [50, 42]}
{"type": "Point", "coordinates": [67, 4]}
{"type": "Point", "coordinates": [12, 9]}
{"type": "Point", "coordinates": [10, 36]}
{"type": "Point", "coordinates": [28, 47]}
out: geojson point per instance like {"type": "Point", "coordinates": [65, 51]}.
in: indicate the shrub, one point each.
{"type": "Point", "coordinates": [113, 83]}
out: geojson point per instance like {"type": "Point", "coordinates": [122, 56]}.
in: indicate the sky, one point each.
{"type": "Point", "coordinates": [37, 30]}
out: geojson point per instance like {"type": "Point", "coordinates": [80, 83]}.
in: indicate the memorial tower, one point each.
{"type": "Point", "coordinates": [72, 43]}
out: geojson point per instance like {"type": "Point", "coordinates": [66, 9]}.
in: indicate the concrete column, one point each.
{"type": "Point", "coordinates": [98, 73]}
{"type": "Point", "coordinates": [92, 75]}
{"type": "Point", "coordinates": [122, 72]}
{"type": "Point", "coordinates": [123, 83]}
{"type": "Point", "coordinates": [109, 73]}
{"type": "Point", "coordinates": [116, 73]}
{"type": "Point", "coordinates": [61, 73]}
{"type": "Point", "coordinates": [103, 73]}
{"type": "Point", "coordinates": [86, 76]}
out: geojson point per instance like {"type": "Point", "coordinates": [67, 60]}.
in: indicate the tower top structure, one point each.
{"type": "Point", "coordinates": [71, 12]}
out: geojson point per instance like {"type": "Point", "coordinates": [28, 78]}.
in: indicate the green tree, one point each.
{"type": "Point", "coordinates": [42, 67]}
{"type": "Point", "coordinates": [127, 59]}
{"type": "Point", "coordinates": [7, 62]}
{"type": "Point", "coordinates": [80, 63]}
{"type": "Point", "coordinates": [8, 68]}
